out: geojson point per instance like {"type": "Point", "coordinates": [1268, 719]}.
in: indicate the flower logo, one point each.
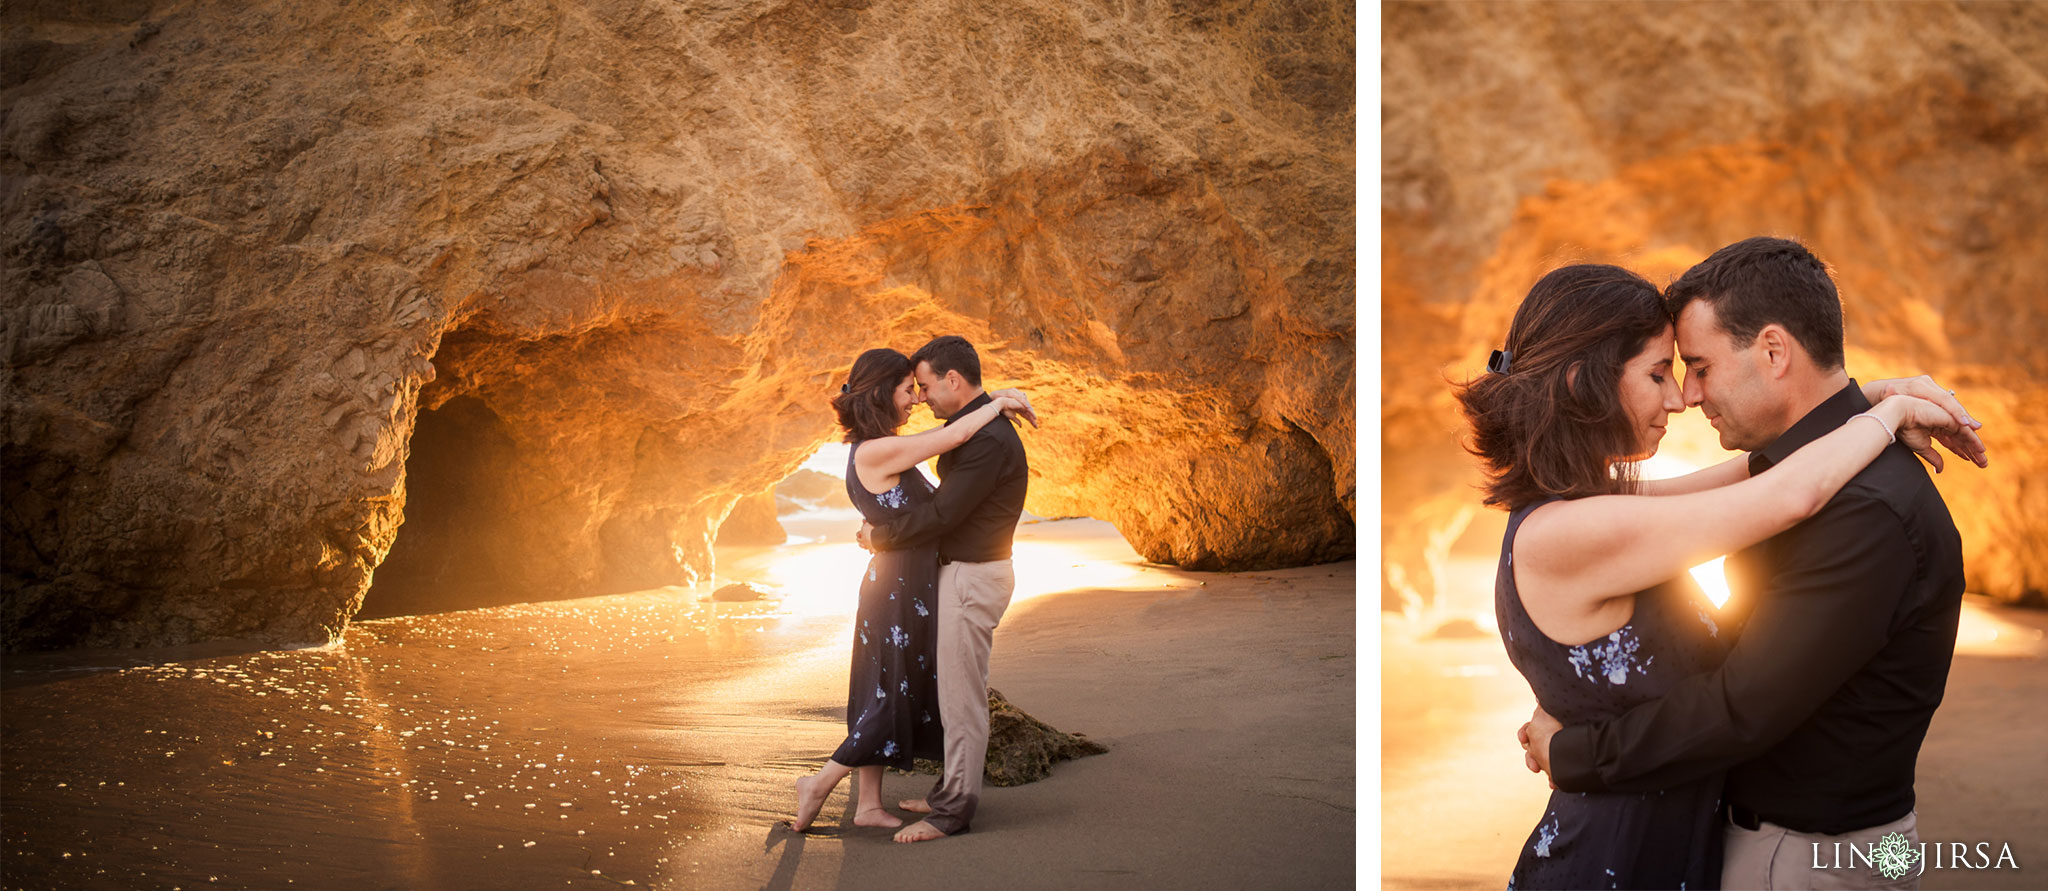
{"type": "Point", "coordinates": [1894, 855]}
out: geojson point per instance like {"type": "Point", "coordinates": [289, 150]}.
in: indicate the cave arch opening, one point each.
{"type": "Point", "coordinates": [455, 542]}
{"type": "Point", "coordinates": [524, 481]}
{"type": "Point", "coordinates": [515, 471]}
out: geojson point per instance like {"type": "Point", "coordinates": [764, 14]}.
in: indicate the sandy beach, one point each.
{"type": "Point", "coordinates": [1457, 803]}
{"type": "Point", "coordinates": [651, 739]}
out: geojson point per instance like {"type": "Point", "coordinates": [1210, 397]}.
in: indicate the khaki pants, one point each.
{"type": "Point", "coordinates": [1774, 857]}
{"type": "Point", "coordinates": [972, 598]}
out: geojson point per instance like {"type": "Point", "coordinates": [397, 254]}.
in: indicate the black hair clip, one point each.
{"type": "Point", "coordinates": [845, 388]}
{"type": "Point", "coordinates": [1498, 362]}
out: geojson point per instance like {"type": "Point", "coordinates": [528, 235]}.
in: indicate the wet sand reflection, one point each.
{"type": "Point", "coordinates": [522, 745]}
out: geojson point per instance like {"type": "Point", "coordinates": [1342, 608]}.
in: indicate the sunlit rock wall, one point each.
{"type": "Point", "coordinates": [1903, 142]}
{"type": "Point", "coordinates": [599, 266]}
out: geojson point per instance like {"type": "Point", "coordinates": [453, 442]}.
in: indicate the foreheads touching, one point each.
{"type": "Point", "coordinates": [1758, 283]}
{"type": "Point", "coordinates": [877, 395]}
{"type": "Point", "coordinates": [948, 373]}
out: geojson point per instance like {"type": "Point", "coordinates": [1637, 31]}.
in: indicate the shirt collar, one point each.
{"type": "Point", "coordinates": [1833, 412]}
{"type": "Point", "coordinates": [971, 405]}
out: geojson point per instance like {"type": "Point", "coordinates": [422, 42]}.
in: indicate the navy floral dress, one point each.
{"type": "Point", "coordinates": [1665, 839]}
{"type": "Point", "coordinates": [892, 700]}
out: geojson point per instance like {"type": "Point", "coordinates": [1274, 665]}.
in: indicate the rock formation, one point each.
{"type": "Point", "coordinates": [752, 522]}
{"type": "Point", "coordinates": [739, 593]}
{"type": "Point", "coordinates": [1907, 144]}
{"type": "Point", "coordinates": [1021, 748]}
{"type": "Point", "coordinates": [577, 279]}
{"type": "Point", "coordinates": [809, 488]}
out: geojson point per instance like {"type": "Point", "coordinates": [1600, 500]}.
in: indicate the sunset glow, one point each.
{"type": "Point", "coordinates": [823, 579]}
{"type": "Point", "coordinates": [1045, 567]}
{"type": "Point", "coordinates": [819, 579]}
{"type": "Point", "coordinates": [1713, 582]}
{"type": "Point", "coordinates": [817, 573]}
{"type": "Point", "coordinates": [1981, 632]}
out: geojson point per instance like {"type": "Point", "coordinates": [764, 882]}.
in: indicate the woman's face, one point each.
{"type": "Point", "coordinates": [906, 394]}
{"type": "Point", "coordinates": [1649, 393]}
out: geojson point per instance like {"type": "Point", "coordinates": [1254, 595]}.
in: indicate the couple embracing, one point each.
{"type": "Point", "coordinates": [1690, 746]}
{"type": "Point", "coordinates": [937, 585]}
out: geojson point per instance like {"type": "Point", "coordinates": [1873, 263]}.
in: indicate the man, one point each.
{"type": "Point", "coordinates": [973, 518]}
{"type": "Point", "coordinates": [1846, 622]}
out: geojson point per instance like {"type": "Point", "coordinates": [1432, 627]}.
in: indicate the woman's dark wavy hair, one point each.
{"type": "Point", "coordinates": [867, 408]}
{"type": "Point", "coordinates": [1544, 429]}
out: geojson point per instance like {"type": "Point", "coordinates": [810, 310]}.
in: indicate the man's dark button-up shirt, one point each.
{"type": "Point", "coordinates": [1847, 625]}
{"type": "Point", "coordinates": [981, 495]}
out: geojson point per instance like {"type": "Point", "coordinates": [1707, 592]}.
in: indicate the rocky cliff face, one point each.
{"type": "Point", "coordinates": [525, 297]}
{"type": "Point", "coordinates": [1907, 144]}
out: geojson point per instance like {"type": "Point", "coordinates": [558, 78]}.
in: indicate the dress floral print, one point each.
{"type": "Point", "coordinates": [893, 695]}
{"type": "Point", "coordinates": [1665, 839]}
{"type": "Point", "coordinates": [1611, 659]}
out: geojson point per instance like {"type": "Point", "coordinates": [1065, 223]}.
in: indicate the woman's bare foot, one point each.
{"type": "Point", "coordinates": [875, 816]}
{"type": "Point", "coordinates": [809, 799]}
{"type": "Point", "coordinates": [915, 805]}
{"type": "Point", "coordinates": [917, 832]}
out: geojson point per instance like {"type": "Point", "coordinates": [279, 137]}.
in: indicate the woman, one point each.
{"type": "Point", "coordinates": [1593, 600]}
{"type": "Point", "coordinates": [892, 710]}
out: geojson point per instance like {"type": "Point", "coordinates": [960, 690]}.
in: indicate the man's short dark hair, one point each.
{"type": "Point", "coordinates": [1761, 281]}
{"type": "Point", "coordinates": [950, 352]}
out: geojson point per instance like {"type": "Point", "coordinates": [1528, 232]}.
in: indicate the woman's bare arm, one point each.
{"type": "Point", "coordinates": [1962, 440]}
{"type": "Point", "coordinates": [1571, 557]}
{"type": "Point", "coordinates": [890, 455]}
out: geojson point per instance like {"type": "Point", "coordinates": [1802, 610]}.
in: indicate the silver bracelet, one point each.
{"type": "Point", "coordinates": [1888, 435]}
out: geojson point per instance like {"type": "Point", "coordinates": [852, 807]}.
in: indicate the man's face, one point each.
{"type": "Point", "coordinates": [1727, 383]}
{"type": "Point", "coordinates": [945, 393]}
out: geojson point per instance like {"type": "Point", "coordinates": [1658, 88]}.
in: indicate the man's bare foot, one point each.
{"type": "Point", "coordinates": [915, 805]}
{"type": "Point", "coordinates": [809, 799]}
{"type": "Point", "coordinates": [917, 832]}
{"type": "Point", "coordinates": [875, 816]}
